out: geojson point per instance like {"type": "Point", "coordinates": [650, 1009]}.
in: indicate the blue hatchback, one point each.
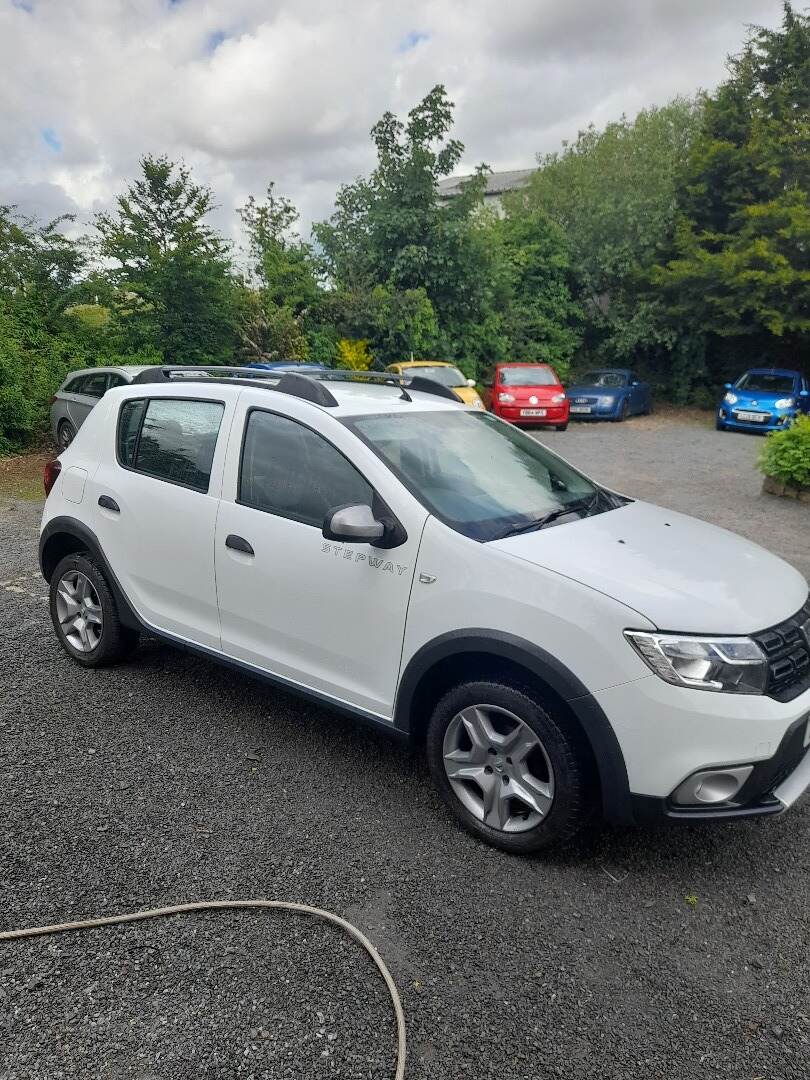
{"type": "Point", "coordinates": [763, 399]}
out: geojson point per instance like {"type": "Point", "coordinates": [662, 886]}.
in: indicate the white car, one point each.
{"type": "Point", "coordinates": [400, 557]}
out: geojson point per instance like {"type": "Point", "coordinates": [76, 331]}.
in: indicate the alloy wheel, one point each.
{"type": "Point", "coordinates": [498, 768]}
{"type": "Point", "coordinates": [65, 436]}
{"type": "Point", "coordinates": [79, 611]}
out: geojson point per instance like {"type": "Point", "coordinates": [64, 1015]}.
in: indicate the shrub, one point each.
{"type": "Point", "coordinates": [353, 354]}
{"type": "Point", "coordinates": [786, 454]}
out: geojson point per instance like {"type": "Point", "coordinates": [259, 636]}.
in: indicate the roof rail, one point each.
{"type": "Point", "coordinates": [308, 387]}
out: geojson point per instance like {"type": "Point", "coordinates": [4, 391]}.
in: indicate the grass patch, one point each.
{"type": "Point", "coordinates": [21, 476]}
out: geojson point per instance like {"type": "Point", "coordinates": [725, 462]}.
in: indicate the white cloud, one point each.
{"type": "Point", "coordinates": [252, 90]}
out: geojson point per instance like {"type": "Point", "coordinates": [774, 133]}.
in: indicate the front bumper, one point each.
{"type": "Point", "coordinates": [555, 414]}
{"type": "Point", "coordinates": [668, 733]}
{"type": "Point", "coordinates": [776, 419]}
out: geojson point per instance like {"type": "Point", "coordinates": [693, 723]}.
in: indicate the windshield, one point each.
{"type": "Point", "coordinates": [765, 383]}
{"type": "Point", "coordinates": [447, 376]}
{"type": "Point", "coordinates": [603, 378]}
{"type": "Point", "coordinates": [480, 476]}
{"type": "Point", "coordinates": [526, 375]}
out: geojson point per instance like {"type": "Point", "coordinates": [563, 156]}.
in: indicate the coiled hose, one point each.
{"type": "Point", "coordinates": [220, 905]}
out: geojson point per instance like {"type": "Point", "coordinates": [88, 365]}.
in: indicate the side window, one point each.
{"type": "Point", "coordinates": [171, 439]}
{"type": "Point", "coordinates": [94, 385]}
{"type": "Point", "coordinates": [114, 379]}
{"type": "Point", "coordinates": [289, 470]}
{"type": "Point", "coordinates": [74, 386]}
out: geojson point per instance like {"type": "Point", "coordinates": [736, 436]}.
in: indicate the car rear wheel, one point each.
{"type": "Point", "coordinates": [509, 773]}
{"type": "Point", "coordinates": [65, 435]}
{"type": "Point", "coordinates": [85, 615]}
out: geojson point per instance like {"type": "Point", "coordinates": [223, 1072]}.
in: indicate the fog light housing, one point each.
{"type": "Point", "coordinates": [711, 786]}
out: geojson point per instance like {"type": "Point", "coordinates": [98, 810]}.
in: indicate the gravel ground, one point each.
{"type": "Point", "coordinates": [652, 953]}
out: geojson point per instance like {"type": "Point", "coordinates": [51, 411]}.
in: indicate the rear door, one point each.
{"type": "Point", "coordinates": [326, 615]}
{"type": "Point", "coordinates": [156, 495]}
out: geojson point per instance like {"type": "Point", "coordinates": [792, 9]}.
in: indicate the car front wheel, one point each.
{"type": "Point", "coordinates": [65, 435]}
{"type": "Point", "coordinates": [507, 770]}
{"type": "Point", "coordinates": [85, 615]}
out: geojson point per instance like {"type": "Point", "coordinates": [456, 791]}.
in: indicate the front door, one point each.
{"type": "Point", "coordinates": [326, 615]}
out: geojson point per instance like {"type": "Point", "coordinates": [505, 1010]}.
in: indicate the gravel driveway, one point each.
{"type": "Point", "coordinates": [653, 953]}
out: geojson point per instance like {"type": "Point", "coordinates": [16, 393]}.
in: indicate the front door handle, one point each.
{"type": "Point", "coordinates": [109, 504]}
{"type": "Point", "coordinates": [238, 543]}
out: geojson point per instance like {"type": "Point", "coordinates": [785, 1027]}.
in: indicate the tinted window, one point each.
{"type": "Point", "coordinates": [289, 470]}
{"type": "Point", "coordinates": [170, 439]}
{"type": "Point", "coordinates": [114, 379]}
{"type": "Point", "coordinates": [603, 378]}
{"type": "Point", "coordinates": [526, 375]}
{"type": "Point", "coordinates": [74, 386]}
{"type": "Point", "coordinates": [94, 385]}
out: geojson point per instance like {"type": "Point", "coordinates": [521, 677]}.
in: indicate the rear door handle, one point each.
{"type": "Point", "coordinates": [109, 504]}
{"type": "Point", "coordinates": [238, 543]}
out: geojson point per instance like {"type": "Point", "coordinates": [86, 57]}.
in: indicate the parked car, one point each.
{"type": "Point", "coordinates": [609, 394]}
{"type": "Point", "coordinates": [763, 399]}
{"type": "Point", "coordinates": [79, 393]}
{"type": "Point", "coordinates": [528, 394]}
{"type": "Point", "coordinates": [403, 558]}
{"type": "Point", "coordinates": [442, 372]}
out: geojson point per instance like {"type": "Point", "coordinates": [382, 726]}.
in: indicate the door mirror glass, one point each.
{"type": "Point", "coordinates": [804, 393]}
{"type": "Point", "coordinates": [470, 382]}
{"type": "Point", "coordinates": [727, 385]}
{"type": "Point", "coordinates": [353, 525]}
{"type": "Point", "coordinates": [634, 382]}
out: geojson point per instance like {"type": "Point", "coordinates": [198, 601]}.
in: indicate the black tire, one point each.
{"type": "Point", "coordinates": [65, 434]}
{"type": "Point", "coordinates": [562, 427]}
{"type": "Point", "coordinates": [622, 412]}
{"type": "Point", "coordinates": [115, 642]}
{"type": "Point", "coordinates": [568, 809]}
{"type": "Point", "coordinates": [720, 426]}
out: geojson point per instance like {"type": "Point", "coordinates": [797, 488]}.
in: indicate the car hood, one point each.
{"type": "Point", "coordinates": [764, 397]}
{"type": "Point", "coordinates": [468, 394]}
{"type": "Point", "coordinates": [682, 574]}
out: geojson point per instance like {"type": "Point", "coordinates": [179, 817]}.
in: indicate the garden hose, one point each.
{"type": "Point", "coordinates": [219, 905]}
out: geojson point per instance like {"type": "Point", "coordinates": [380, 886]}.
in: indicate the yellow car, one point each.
{"type": "Point", "coordinates": [443, 372]}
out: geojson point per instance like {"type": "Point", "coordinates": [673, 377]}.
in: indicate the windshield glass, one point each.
{"type": "Point", "coordinates": [447, 376]}
{"type": "Point", "coordinates": [765, 383]}
{"type": "Point", "coordinates": [526, 375]}
{"type": "Point", "coordinates": [603, 378]}
{"type": "Point", "coordinates": [480, 476]}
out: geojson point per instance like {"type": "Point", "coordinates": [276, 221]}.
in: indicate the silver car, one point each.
{"type": "Point", "coordinates": [72, 402]}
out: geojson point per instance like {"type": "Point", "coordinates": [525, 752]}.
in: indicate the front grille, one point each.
{"type": "Point", "coordinates": [788, 651]}
{"type": "Point", "coordinates": [583, 400]}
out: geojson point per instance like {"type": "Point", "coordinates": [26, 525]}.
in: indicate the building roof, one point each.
{"type": "Point", "coordinates": [497, 183]}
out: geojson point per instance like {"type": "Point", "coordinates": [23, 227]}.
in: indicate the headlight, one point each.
{"type": "Point", "coordinates": [558, 398]}
{"type": "Point", "coordinates": [735, 665]}
{"type": "Point", "coordinates": [605, 401]}
{"type": "Point", "coordinates": [505, 399]}
{"type": "Point", "coordinates": [731, 399]}
{"type": "Point", "coordinates": [784, 403]}
{"type": "Point", "coordinates": [478, 404]}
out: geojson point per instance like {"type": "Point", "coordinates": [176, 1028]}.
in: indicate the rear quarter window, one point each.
{"type": "Point", "coordinates": [170, 439]}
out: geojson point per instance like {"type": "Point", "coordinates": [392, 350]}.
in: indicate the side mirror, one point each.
{"type": "Point", "coordinates": [804, 393]}
{"type": "Point", "coordinates": [634, 382]}
{"type": "Point", "coordinates": [727, 385]}
{"type": "Point", "coordinates": [354, 524]}
{"type": "Point", "coordinates": [470, 382]}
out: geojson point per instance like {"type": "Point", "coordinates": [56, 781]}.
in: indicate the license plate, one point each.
{"type": "Point", "coordinates": [580, 408]}
{"type": "Point", "coordinates": [755, 417]}
{"type": "Point", "coordinates": [533, 412]}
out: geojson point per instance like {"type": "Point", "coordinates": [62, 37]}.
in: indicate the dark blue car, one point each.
{"type": "Point", "coordinates": [763, 399]}
{"type": "Point", "coordinates": [609, 394]}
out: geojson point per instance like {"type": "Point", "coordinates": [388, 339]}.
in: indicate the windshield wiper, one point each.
{"type": "Point", "coordinates": [588, 504]}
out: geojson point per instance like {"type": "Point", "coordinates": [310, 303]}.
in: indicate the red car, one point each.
{"type": "Point", "coordinates": [529, 394]}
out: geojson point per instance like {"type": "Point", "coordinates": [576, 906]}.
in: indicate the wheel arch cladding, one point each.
{"type": "Point", "coordinates": [66, 536]}
{"type": "Point", "coordinates": [482, 654]}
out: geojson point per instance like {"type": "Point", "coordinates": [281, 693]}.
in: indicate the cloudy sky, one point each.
{"type": "Point", "coordinates": [248, 91]}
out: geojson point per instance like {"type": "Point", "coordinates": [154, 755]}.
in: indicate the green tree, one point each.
{"type": "Point", "coordinates": [391, 230]}
{"type": "Point", "coordinates": [613, 193]}
{"type": "Point", "coordinates": [171, 268]}
{"type": "Point", "coordinates": [740, 265]}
